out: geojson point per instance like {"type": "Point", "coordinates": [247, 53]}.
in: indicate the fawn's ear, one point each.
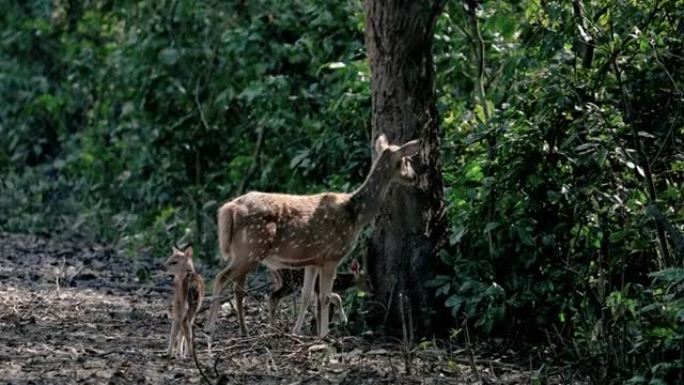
{"type": "Point", "coordinates": [188, 252]}
{"type": "Point", "coordinates": [380, 144]}
{"type": "Point", "coordinates": [175, 250]}
{"type": "Point", "coordinates": [355, 266]}
{"type": "Point", "coordinates": [410, 148]}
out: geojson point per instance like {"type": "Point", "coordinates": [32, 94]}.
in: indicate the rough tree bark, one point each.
{"type": "Point", "coordinates": [409, 228]}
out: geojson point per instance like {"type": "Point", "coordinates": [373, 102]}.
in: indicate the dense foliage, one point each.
{"type": "Point", "coordinates": [132, 119]}
{"type": "Point", "coordinates": [562, 145]}
{"type": "Point", "coordinates": [557, 149]}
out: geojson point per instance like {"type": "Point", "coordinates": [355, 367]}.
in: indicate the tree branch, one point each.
{"type": "Point", "coordinates": [675, 235]}
{"type": "Point", "coordinates": [255, 161]}
{"type": "Point", "coordinates": [587, 39]}
{"type": "Point", "coordinates": [643, 160]}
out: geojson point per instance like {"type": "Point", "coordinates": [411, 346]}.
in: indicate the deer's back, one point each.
{"type": "Point", "coordinates": [290, 230]}
{"type": "Point", "coordinates": [190, 293]}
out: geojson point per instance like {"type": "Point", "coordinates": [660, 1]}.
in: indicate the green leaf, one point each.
{"type": "Point", "coordinates": [169, 56]}
{"type": "Point", "coordinates": [525, 235]}
{"type": "Point", "coordinates": [618, 236]}
{"type": "Point", "coordinates": [454, 302]}
{"type": "Point", "coordinates": [491, 226]}
{"type": "Point", "coordinates": [474, 173]}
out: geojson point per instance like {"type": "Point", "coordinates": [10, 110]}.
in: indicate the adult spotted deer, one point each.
{"type": "Point", "coordinates": [312, 232]}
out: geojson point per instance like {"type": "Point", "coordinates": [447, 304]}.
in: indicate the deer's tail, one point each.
{"type": "Point", "coordinates": [225, 229]}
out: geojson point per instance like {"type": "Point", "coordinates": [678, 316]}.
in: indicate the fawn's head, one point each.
{"type": "Point", "coordinates": [362, 280]}
{"type": "Point", "coordinates": [397, 159]}
{"type": "Point", "coordinates": [179, 262]}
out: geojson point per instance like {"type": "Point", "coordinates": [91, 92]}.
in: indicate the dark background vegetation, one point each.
{"type": "Point", "coordinates": [128, 122]}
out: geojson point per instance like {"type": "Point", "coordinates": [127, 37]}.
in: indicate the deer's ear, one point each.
{"type": "Point", "coordinates": [188, 252]}
{"type": "Point", "coordinates": [380, 144]}
{"type": "Point", "coordinates": [410, 148]}
{"type": "Point", "coordinates": [175, 250]}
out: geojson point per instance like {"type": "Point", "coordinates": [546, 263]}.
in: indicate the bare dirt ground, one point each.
{"type": "Point", "coordinates": [71, 314]}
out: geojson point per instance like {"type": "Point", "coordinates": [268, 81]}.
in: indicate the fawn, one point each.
{"type": "Point", "coordinates": [286, 281]}
{"type": "Point", "coordinates": [313, 232]}
{"type": "Point", "coordinates": [188, 293]}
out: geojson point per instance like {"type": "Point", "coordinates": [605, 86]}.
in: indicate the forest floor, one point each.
{"type": "Point", "coordinates": [71, 313]}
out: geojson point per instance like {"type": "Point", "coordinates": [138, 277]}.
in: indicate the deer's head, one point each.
{"type": "Point", "coordinates": [362, 280]}
{"type": "Point", "coordinates": [397, 159]}
{"type": "Point", "coordinates": [179, 262]}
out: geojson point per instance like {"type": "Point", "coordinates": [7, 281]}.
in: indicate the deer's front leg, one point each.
{"type": "Point", "coordinates": [310, 274]}
{"type": "Point", "coordinates": [325, 282]}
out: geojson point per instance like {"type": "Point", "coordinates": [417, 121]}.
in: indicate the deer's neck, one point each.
{"type": "Point", "coordinates": [179, 277]}
{"type": "Point", "coordinates": [365, 202]}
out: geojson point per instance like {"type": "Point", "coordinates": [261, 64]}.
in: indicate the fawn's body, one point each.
{"type": "Point", "coordinates": [188, 294]}
{"type": "Point", "coordinates": [287, 281]}
{"type": "Point", "coordinates": [313, 232]}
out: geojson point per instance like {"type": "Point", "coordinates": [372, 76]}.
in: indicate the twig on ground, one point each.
{"type": "Point", "coordinates": [410, 322]}
{"type": "Point", "coordinates": [471, 356]}
{"type": "Point", "coordinates": [216, 360]}
{"type": "Point", "coordinates": [270, 358]}
{"type": "Point", "coordinates": [33, 304]}
{"type": "Point", "coordinates": [389, 303]}
{"type": "Point", "coordinates": [394, 372]}
{"type": "Point", "coordinates": [194, 357]}
{"type": "Point", "coordinates": [406, 351]}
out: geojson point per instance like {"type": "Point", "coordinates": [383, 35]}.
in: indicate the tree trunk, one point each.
{"type": "Point", "coordinates": [410, 226]}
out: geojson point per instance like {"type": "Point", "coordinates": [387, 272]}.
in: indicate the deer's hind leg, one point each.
{"type": "Point", "coordinates": [236, 272]}
{"type": "Point", "coordinates": [239, 291]}
{"type": "Point", "coordinates": [186, 331]}
{"type": "Point", "coordinates": [220, 282]}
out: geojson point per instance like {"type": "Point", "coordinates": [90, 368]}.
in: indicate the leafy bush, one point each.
{"type": "Point", "coordinates": [132, 122]}
{"type": "Point", "coordinates": [549, 177]}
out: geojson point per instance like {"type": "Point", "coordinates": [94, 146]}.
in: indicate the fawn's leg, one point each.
{"type": "Point", "coordinates": [336, 300]}
{"type": "Point", "coordinates": [186, 328]}
{"type": "Point", "coordinates": [326, 279]}
{"type": "Point", "coordinates": [186, 331]}
{"type": "Point", "coordinates": [274, 297]}
{"type": "Point", "coordinates": [182, 343]}
{"type": "Point", "coordinates": [173, 337]}
{"type": "Point", "coordinates": [310, 274]}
